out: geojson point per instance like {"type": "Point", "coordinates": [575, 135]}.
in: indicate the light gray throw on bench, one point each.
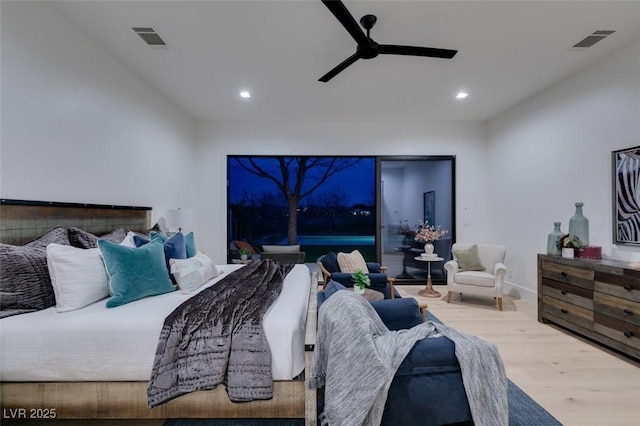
{"type": "Point", "coordinates": [356, 357]}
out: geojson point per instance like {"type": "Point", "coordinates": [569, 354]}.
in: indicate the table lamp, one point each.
{"type": "Point", "coordinates": [178, 219]}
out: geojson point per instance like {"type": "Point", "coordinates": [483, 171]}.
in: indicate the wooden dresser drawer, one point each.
{"type": "Point", "coordinates": [574, 295]}
{"type": "Point", "coordinates": [567, 312]}
{"type": "Point", "coordinates": [615, 307]}
{"type": "Point", "coordinates": [625, 286]}
{"type": "Point", "coordinates": [620, 331]}
{"type": "Point", "coordinates": [566, 274]}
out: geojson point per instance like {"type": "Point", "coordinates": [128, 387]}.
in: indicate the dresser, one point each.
{"type": "Point", "coordinates": [598, 299]}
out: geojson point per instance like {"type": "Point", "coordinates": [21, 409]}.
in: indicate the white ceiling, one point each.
{"type": "Point", "coordinates": [508, 51]}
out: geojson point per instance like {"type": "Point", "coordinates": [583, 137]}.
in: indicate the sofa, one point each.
{"type": "Point", "coordinates": [427, 389]}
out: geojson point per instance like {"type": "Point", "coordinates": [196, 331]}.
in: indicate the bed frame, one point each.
{"type": "Point", "coordinates": [22, 221]}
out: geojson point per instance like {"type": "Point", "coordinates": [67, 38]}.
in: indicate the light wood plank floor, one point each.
{"type": "Point", "coordinates": [578, 382]}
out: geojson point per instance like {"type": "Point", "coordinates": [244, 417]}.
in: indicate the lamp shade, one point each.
{"type": "Point", "coordinates": [178, 219]}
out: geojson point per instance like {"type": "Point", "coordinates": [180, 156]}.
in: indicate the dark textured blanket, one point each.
{"type": "Point", "coordinates": [217, 337]}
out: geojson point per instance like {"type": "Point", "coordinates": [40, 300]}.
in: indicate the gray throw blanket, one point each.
{"type": "Point", "coordinates": [217, 337]}
{"type": "Point", "coordinates": [356, 357]}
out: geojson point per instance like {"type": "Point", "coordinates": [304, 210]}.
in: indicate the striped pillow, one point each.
{"type": "Point", "coordinates": [350, 262]}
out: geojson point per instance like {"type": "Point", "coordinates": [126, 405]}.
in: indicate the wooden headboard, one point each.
{"type": "Point", "coordinates": [22, 220]}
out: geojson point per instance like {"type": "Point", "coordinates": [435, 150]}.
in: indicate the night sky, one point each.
{"type": "Point", "coordinates": [357, 183]}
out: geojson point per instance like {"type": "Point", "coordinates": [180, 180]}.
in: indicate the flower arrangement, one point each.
{"type": "Point", "coordinates": [361, 279]}
{"type": "Point", "coordinates": [428, 233]}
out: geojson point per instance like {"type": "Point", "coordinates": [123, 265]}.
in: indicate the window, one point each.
{"type": "Point", "coordinates": [322, 203]}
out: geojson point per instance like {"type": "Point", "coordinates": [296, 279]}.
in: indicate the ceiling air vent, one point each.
{"type": "Point", "coordinates": [593, 38]}
{"type": "Point", "coordinates": [149, 35]}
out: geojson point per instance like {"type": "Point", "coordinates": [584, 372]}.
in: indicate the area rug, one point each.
{"type": "Point", "coordinates": [523, 411]}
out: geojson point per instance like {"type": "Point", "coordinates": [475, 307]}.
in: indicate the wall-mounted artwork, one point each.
{"type": "Point", "coordinates": [626, 196]}
{"type": "Point", "coordinates": [430, 207]}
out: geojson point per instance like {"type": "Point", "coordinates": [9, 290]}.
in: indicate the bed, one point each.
{"type": "Point", "coordinates": [53, 379]}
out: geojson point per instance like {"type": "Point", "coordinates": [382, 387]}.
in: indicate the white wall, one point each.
{"type": "Point", "coordinates": [78, 126]}
{"type": "Point", "coordinates": [554, 150]}
{"type": "Point", "coordinates": [217, 140]}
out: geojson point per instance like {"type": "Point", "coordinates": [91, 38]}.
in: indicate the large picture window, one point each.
{"type": "Point", "coordinates": [320, 202]}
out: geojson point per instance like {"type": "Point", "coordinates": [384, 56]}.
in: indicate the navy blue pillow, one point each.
{"type": "Point", "coordinates": [331, 288]}
{"type": "Point", "coordinates": [174, 246]}
{"type": "Point", "coordinates": [330, 262]}
{"type": "Point", "coordinates": [189, 241]}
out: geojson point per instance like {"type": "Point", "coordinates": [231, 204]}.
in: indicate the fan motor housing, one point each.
{"type": "Point", "coordinates": [368, 51]}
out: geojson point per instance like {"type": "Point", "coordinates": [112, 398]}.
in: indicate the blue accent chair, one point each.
{"type": "Point", "coordinates": [427, 389]}
{"type": "Point", "coordinates": [328, 264]}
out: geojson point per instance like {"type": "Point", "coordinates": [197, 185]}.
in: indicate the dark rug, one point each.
{"type": "Point", "coordinates": [523, 411]}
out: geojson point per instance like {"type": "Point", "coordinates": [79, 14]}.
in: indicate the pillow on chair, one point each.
{"type": "Point", "coordinates": [468, 260]}
{"type": "Point", "coordinates": [351, 262]}
{"type": "Point", "coordinates": [330, 262]}
{"type": "Point", "coordinates": [245, 245]}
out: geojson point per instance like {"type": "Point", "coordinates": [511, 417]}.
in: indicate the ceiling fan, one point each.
{"type": "Point", "coordinates": [367, 48]}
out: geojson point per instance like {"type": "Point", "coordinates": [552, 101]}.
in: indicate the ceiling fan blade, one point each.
{"type": "Point", "coordinates": [350, 60]}
{"type": "Point", "coordinates": [340, 11]}
{"type": "Point", "coordinates": [390, 49]}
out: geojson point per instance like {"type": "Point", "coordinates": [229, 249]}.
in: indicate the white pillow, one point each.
{"type": "Point", "coordinates": [192, 273]}
{"type": "Point", "coordinates": [281, 249]}
{"type": "Point", "coordinates": [128, 240]}
{"type": "Point", "coordinates": [350, 262]}
{"type": "Point", "coordinates": [78, 276]}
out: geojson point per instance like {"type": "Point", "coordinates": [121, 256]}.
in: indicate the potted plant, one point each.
{"type": "Point", "coordinates": [244, 253]}
{"type": "Point", "coordinates": [361, 281]}
{"type": "Point", "coordinates": [568, 244]}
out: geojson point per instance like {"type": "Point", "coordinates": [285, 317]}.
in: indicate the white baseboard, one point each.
{"type": "Point", "coordinates": [518, 292]}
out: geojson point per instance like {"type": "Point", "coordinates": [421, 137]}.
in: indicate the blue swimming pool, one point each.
{"type": "Point", "coordinates": [337, 240]}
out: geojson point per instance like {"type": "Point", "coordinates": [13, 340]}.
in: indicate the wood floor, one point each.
{"type": "Point", "coordinates": [578, 382]}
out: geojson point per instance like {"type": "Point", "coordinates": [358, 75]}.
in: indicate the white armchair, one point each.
{"type": "Point", "coordinates": [487, 282]}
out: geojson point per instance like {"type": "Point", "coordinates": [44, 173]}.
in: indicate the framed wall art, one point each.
{"type": "Point", "coordinates": [430, 207]}
{"type": "Point", "coordinates": [626, 196]}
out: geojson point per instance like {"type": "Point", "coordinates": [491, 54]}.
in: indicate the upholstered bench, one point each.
{"type": "Point", "coordinates": [427, 388]}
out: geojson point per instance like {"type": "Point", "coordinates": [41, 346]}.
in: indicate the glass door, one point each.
{"type": "Point", "coordinates": [413, 190]}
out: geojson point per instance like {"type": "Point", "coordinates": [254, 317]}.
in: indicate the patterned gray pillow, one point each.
{"type": "Point", "coordinates": [25, 285]}
{"type": "Point", "coordinates": [56, 235]}
{"type": "Point", "coordinates": [86, 240]}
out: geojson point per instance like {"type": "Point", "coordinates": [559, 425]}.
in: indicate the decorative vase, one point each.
{"type": "Point", "coordinates": [243, 257]}
{"type": "Point", "coordinates": [552, 240]}
{"type": "Point", "coordinates": [428, 248]}
{"type": "Point", "coordinates": [579, 225]}
{"type": "Point", "coordinates": [357, 289]}
{"type": "Point", "coordinates": [568, 252]}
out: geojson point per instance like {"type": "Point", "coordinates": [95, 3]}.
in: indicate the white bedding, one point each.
{"type": "Point", "coordinates": [99, 344]}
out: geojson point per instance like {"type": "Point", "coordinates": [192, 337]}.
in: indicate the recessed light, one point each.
{"type": "Point", "coordinates": [245, 94]}
{"type": "Point", "coordinates": [462, 95]}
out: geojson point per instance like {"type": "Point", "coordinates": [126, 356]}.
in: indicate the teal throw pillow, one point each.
{"type": "Point", "coordinates": [468, 260]}
{"type": "Point", "coordinates": [135, 273]}
{"type": "Point", "coordinates": [190, 243]}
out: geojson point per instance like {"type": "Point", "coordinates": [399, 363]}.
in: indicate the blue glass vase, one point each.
{"type": "Point", "coordinates": [552, 240]}
{"type": "Point", "coordinates": [579, 225]}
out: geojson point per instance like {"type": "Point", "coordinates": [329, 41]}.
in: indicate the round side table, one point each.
{"type": "Point", "coordinates": [428, 290]}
